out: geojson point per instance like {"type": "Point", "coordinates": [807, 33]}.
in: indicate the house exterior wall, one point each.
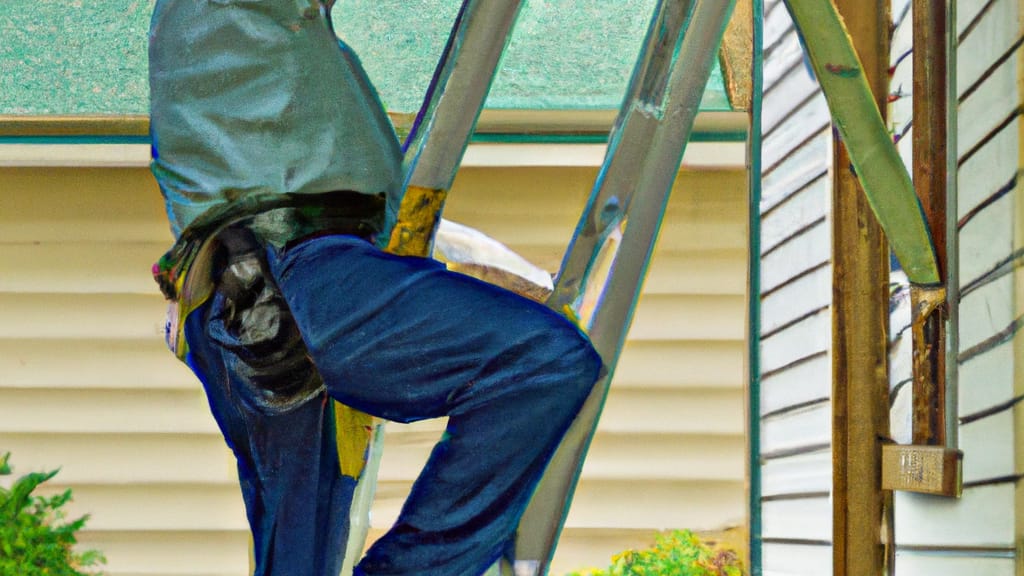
{"type": "Point", "coordinates": [86, 384]}
{"type": "Point", "coordinates": [979, 533]}
{"type": "Point", "coordinates": [796, 313]}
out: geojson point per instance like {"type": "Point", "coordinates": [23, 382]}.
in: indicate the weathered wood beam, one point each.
{"type": "Point", "coordinates": [860, 404]}
{"type": "Point", "coordinates": [736, 56]}
{"type": "Point", "coordinates": [929, 169]}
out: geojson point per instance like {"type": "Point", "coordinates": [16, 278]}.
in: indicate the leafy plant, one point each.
{"type": "Point", "coordinates": [678, 553]}
{"type": "Point", "coordinates": [35, 540]}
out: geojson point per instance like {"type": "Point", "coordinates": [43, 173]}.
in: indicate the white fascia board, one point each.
{"type": "Point", "coordinates": [699, 155]}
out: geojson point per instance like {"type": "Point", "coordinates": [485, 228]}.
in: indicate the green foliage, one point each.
{"type": "Point", "coordinates": [678, 553]}
{"type": "Point", "coordinates": [35, 540]}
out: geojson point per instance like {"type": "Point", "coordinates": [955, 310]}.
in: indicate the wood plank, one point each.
{"type": "Point", "coordinates": [800, 384]}
{"type": "Point", "coordinates": [982, 517]}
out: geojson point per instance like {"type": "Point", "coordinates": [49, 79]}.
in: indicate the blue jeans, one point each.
{"type": "Point", "coordinates": [403, 339]}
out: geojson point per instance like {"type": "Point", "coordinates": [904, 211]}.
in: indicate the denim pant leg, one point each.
{"type": "Point", "coordinates": [296, 500]}
{"type": "Point", "coordinates": [405, 339]}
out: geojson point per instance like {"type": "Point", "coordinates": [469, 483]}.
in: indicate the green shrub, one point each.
{"type": "Point", "coordinates": [35, 540]}
{"type": "Point", "coordinates": [678, 553]}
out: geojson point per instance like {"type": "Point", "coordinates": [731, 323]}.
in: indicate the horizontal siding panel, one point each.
{"type": "Point", "coordinates": [92, 363]}
{"type": "Point", "coordinates": [662, 457]}
{"type": "Point", "coordinates": [134, 507]}
{"type": "Point", "coordinates": [169, 553]}
{"type": "Point", "coordinates": [797, 255]}
{"type": "Point", "coordinates": [786, 54]}
{"type": "Point", "coordinates": [987, 240]}
{"type": "Point", "coordinates": [997, 97]}
{"type": "Point", "coordinates": [132, 429]}
{"type": "Point", "coordinates": [810, 118]}
{"type": "Point", "coordinates": [987, 380]}
{"type": "Point", "coordinates": [986, 311]}
{"type": "Point", "coordinates": [580, 549]}
{"type": "Point", "coordinates": [794, 87]}
{"type": "Point", "coordinates": [805, 519]}
{"type": "Point", "coordinates": [796, 299]}
{"type": "Point", "coordinates": [799, 474]}
{"type": "Point", "coordinates": [988, 447]}
{"type": "Point", "coordinates": [989, 170]}
{"type": "Point", "coordinates": [711, 273]}
{"type": "Point", "coordinates": [776, 23]}
{"type": "Point", "coordinates": [708, 505]}
{"type": "Point", "coordinates": [948, 563]}
{"type": "Point", "coordinates": [901, 88]}
{"type": "Point", "coordinates": [124, 458]}
{"type": "Point", "coordinates": [680, 317]}
{"type": "Point", "coordinates": [115, 316]}
{"type": "Point", "coordinates": [686, 364]}
{"type": "Point", "coordinates": [983, 516]}
{"type": "Point", "coordinates": [802, 383]}
{"type": "Point", "coordinates": [795, 560]}
{"type": "Point", "coordinates": [795, 213]}
{"type": "Point", "coordinates": [80, 267]}
{"type": "Point", "coordinates": [810, 426]}
{"type": "Point", "coordinates": [803, 166]}
{"type": "Point", "coordinates": [673, 411]}
{"type": "Point", "coordinates": [105, 411]}
{"type": "Point", "coordinates": [992, 36]}
{"type": "Point", "coordinates": [799, 341]}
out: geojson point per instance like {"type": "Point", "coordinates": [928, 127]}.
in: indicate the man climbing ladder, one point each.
{"type": "Point", "coordinates": [281, 176]}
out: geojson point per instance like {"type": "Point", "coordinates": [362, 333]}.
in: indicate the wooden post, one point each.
{"type": "Point", "coordinates": [860, 404]}
{"type": "Point", "coordinates": [929, 166]}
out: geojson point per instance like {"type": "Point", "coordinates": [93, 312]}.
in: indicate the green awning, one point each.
{"type": "Point", "coordinates": [86, 57]}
